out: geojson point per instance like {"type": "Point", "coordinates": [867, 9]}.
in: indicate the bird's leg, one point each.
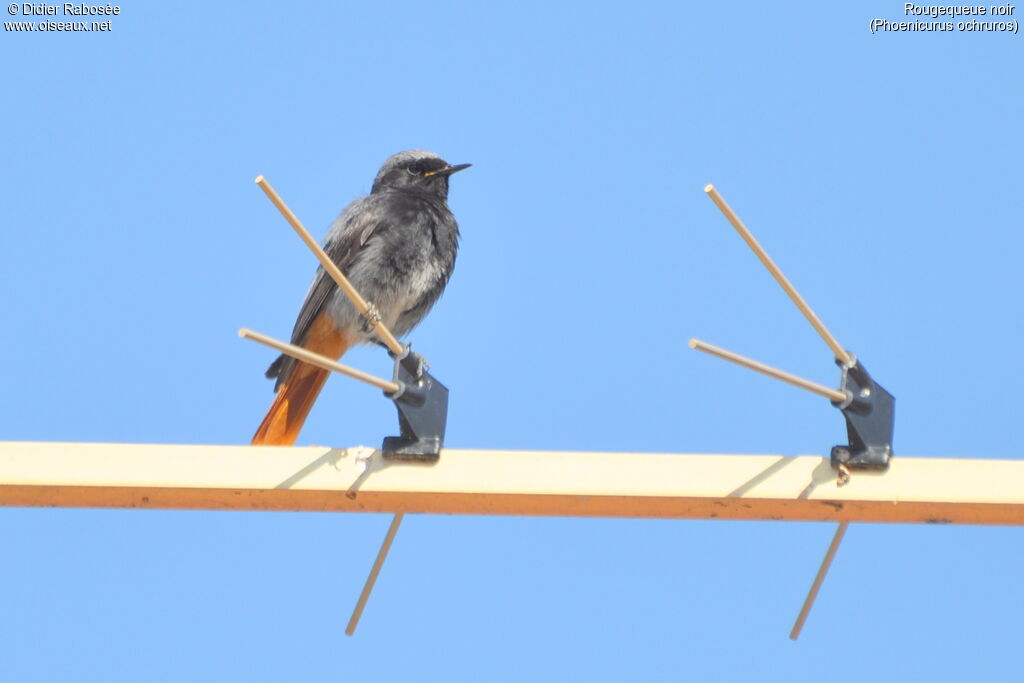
{"type": "Point", "coordinates": [371, 319]}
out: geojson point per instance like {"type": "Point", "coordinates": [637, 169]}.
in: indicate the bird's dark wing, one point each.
{"type": "Point", "coordinates": [342, 248]}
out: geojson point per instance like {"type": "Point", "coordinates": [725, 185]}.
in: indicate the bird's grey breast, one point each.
{"type": "Point", "coordinates": [406, 255]}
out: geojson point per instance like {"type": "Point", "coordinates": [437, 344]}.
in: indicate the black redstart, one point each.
{"type": "Point", "coordinates": [397, 246]}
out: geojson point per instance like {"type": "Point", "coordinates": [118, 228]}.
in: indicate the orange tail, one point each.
{"type": "Point", "coordinates": [296, 396]}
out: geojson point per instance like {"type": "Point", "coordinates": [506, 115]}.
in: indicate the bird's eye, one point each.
{"type": "Point", "coordinates": [416, 169]}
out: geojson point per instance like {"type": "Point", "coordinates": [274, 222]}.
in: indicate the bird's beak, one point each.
{"type": "Point", "coordinates": [447, 170]}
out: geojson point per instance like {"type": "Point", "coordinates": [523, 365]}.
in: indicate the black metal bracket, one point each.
{"type": "Point", "coordinates": [422, 404]}
{"type": "Point", "coordinates": [870, 418]}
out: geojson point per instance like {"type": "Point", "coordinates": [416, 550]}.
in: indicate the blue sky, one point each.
{"type": "Point", "coordinates": [882, 172]}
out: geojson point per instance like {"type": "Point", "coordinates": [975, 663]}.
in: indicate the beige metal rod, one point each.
{"type": "Point", "coordinates": [820, 389]}
{"type": "Point", "coordinates": [818, 580]}
{"type": "Point", "coordinates": [374, 571]}
{"type": "Point", "coordinates": [319, 361]}
{"type": "Point", "coordinates": [748, 237]}
{"type": "Point", "coordinates": [367, 311]}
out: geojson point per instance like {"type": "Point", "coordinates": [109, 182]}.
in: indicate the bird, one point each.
{"type": "Point", "coordinates": [397, 246]}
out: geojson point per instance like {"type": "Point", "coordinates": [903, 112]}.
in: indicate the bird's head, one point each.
{"type": "Point", "coordinates": [416, 171]}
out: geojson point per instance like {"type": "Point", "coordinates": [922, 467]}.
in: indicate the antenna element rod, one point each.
{"type": "Point", "coordinates": [382, 555]}
{"type": "Point", "coordinates": [748, 237]}
{"type": "Point", "coordinates": [365, 309]}
{"type": "Point", "coordinates": [820, 389]}
{"type": "Point", "coordinates": [306, 356]}
{"type": "Point", "coordinates": [818, 580]}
